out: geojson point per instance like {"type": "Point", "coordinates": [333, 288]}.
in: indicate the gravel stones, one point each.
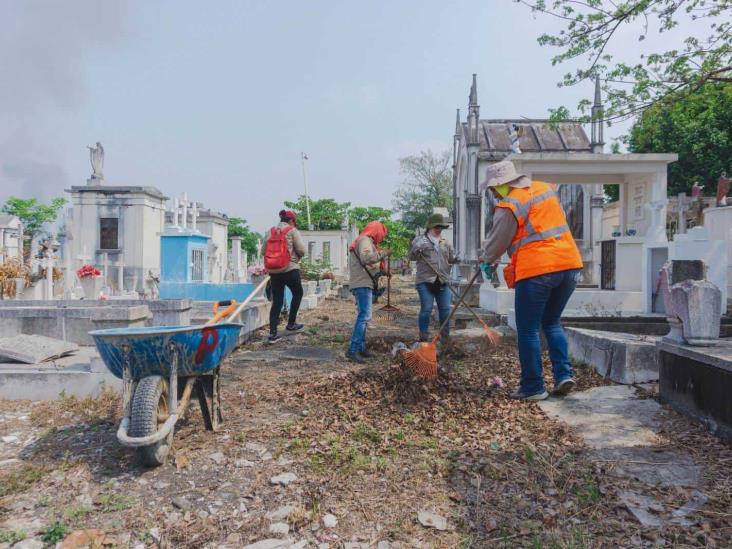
{"type": "Point", "coordinates": [284, 479]}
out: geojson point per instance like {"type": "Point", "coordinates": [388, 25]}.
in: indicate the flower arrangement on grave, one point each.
{"type": "Point", "coordinates": [11, 270]}
{"type": "Point", "coordinates": [256, 270]}
{"type": "Point", "coordinates": [88, 271]}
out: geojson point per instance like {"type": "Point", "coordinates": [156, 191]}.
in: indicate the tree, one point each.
{"type": "Point", "coordinates": [326, 214]}
{"type": "Point", "coordinates": [659, 77]}
{"type": "Point", "coordinates": [427, 183]}
{"type": "Point", "coordinates": [33, 215]}
{"type": "Point", "coordinates": [239, 227]}
{"type": "Point", "coordinates": [398, 235]}
{"type": "Point", "coordinates": [696, 126]}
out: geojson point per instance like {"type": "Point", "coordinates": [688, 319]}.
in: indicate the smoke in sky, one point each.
{"type": "Point", "coordinates": [43, 45]}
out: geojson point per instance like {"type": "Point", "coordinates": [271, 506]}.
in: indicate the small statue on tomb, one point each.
{"type": "Point", "coordinates": [696, 190]}
{"type": "Point", "coordinates": [96, 157]}
{"type": "Point", "coordinates": [722, 189]}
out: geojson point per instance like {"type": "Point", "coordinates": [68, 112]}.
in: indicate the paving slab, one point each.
{"type": "Point", "coordinates": [33, 349]}
{"type": "Point", "coordinates": [622, 431]}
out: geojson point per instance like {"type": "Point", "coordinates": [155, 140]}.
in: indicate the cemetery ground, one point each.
{"type": "Point", "coordinates": [322, 451]}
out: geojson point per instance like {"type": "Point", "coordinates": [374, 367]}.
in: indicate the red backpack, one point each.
{"type": "Point", "coordinates": [276, 251]}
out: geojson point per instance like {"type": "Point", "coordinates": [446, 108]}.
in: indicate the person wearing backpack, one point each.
{"type": "Point", "coordinates": [365, 267]}
{"type": "Point", "coordinates": [283, 249]}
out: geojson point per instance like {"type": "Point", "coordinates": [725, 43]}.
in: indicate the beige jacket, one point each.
{"type": "Point", "coordinates": [423, 251]}
{"type": "Point", "coordinates": [295, 245]}
{"type": "Point", "coordinates": [366, 251]}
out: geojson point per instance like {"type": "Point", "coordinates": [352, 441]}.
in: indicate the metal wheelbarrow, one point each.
{"type": "Point", "coordinates": [160, 368]}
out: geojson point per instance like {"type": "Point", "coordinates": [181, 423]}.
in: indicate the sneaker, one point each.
{"type": "Point", "coordinates": [518, 394]}
{"type": "Point", "coordinates": [366, 354]}
{"type": "Point", "coordinates": [294, 327]}
{"type": "Point", "coordinates": [274, 338]}
{"type": "Point", "coordinates": [355, 357]}
{"type": "Point", "coordinates": [564, 387]}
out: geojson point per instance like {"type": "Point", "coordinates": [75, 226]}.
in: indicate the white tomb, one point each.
{"type": "Point", "coordinates": [331, 246]}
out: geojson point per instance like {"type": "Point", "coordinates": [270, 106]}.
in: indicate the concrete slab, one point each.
{"type": "Point", "coordinates": [303, 352]}
{"type": "Point", "coordinates": [33, 349]}
{"type": "Point", "coordinates": [608, 417]}
{"type": "Point", "coordinates": [83, 374]}
{"type": "Point", "coordinates": [623, 358]}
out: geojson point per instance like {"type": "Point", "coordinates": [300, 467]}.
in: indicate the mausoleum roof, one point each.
{"type": "Point", "coordinates": [537, 136]}
{"type": "Point", "coordinates": [118, 189]}
{"type": "Point", "coordinates": [8, 221]}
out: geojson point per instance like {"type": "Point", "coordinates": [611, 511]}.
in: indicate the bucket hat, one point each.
{"type": "Point", "coordinates": [437, 220]}
{"type": "Point", "coordinates": [500, 173]}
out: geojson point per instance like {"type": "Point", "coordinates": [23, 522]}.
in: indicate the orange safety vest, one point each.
{"type": "Point", "coordinates": [543, 242]}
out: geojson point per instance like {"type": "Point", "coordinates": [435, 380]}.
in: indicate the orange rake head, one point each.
{"type": "Point", "coordinates": [422, 360]}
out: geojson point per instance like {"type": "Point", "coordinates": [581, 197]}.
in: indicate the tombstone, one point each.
{"type": "Point", "coordinates": [238, 274]}
{"type": "Point", "coordinates": [675, 334]}
{"type": "Point", "coordinates": [683, 206]}
{"type": "Point", "coordinates": [698, 304]}
{"type": "Point", "coordinates": [687, 269]}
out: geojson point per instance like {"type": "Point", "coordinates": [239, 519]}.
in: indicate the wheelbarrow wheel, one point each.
{"type": "Point", "coordinates": [149, 412]}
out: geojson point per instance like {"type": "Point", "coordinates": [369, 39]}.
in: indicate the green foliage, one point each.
{"type": "Point", "coordinates": [239, 227]}
{"type": "Point", "coordinates": [427, 184]}
{"type": "Point", "coordinates": [591, 29]}
{"type": "Point", "coordinates": [12, 536]}
{"type": "Point", "coordinates": [696, 126]}
{"type": "Point", "coordinates": [326, 214]}
{"type": "Point", "coordinates": [55, 533]}
{"type": "Point", "coordinates": [33, 214]}
{"type": "Point", "coordinates": [314, 269]}
{"type": "Point", "coordinates": [398, 236]}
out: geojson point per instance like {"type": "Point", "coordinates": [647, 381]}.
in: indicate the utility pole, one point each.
{"type": "Point", "coordinates": [303, 158]}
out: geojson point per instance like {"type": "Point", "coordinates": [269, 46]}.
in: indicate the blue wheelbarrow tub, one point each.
{"type": "Point", "coordinates": [200, 348]}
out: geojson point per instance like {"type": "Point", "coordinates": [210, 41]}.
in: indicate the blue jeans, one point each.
{"type": "Point", "coordinates": [539, 304]}
{"type": "Point", "coordinates": [364, 303]}
{"type": "Point", "coordinates": [426, 300]}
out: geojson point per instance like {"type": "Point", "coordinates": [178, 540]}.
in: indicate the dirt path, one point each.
{"type": "Point", "coordinates": [363, 449]}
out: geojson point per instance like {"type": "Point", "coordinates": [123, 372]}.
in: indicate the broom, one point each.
{"type": "Point", "coordinates": [388, 312]}
{"type": "Point", "coordinates": [423, 360]}
{"type": "Point", "coordinates": [492, 335]}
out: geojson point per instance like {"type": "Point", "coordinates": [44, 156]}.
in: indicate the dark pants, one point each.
{"type": "Point", "coordinates": [539, 304]}
{"type": "Point", "coordinates": [278, 283]}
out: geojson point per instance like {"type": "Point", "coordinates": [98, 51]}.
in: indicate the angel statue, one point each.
{"type": "Point", "coordinates": [96, 156]}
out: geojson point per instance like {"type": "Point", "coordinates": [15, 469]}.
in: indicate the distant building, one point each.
{"type": "Point", "coordinates": [11, 238]}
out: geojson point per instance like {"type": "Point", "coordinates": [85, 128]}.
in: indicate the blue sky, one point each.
{"type": "Point", "coordinates": [218, 99]}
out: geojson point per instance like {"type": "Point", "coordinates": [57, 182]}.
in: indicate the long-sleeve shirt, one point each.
{"type": "Point", "coordinates": [440, 257]}
{"type": "Point", "coordinates": [295, 245]}
{"type": "Point", "coordinates": [501, 235]}
{"type": "Point", "coordinates": [366, 255]}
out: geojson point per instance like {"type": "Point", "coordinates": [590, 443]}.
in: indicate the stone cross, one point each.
{"type": "Point", "coordinates": [194, 215]}
{"type": "Point", "coordinates": [683, 206]}
{"type": "Point", "coordinates": [722, 190]}
{"type": "Point", "coordinates": [184, 221]}
{"type": "Point", "coordinates": [176, 207]}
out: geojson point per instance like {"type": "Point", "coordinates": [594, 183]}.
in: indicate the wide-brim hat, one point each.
{"type": "Point", "coordinates": [499, 174]}
{"type": "Point", "coordinates": [437, 220]}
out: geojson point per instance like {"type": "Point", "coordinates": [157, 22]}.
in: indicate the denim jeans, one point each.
{"type": "Point", "coordinates": [364, 305]}
{"type": "Point", "coordinates": [426, 299]}
{"type": "Point", "coordinates": [539, 304]}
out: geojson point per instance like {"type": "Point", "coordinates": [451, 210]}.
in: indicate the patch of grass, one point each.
{"type": "Point", "coordinates": [410, 418]}
{"type": "Point", "coordinates": [43, 501]}
{"type": "Point", "coordinates": [529, 455]}
{"type": "Point", "coordinates": [312, 330]}
{"type": "Point", "coordinates": [113, 502]}
{"type": "Point", "coordinates": [76, 512]}
{"type": "Point", "coordinates": [588, 493]}
{"type": "Point", "coordinates": [316, 463]}
{"type": "Point", "coordinates": [339, 338]}
{"type": "Point", "coordinates": [20, 480]}
{"type": "Point", "coordinates": [367, 433]}
{"type": "Point", "coordinates": [297, 446]}
{"type": "Point", "coordinates": [12, 536]}
{"type": "Point", "coordinates": [399, 435]}
{"type": "Point", "coordinates": [429, 444]}
{"type": "Point", "coordinates": [55, 533]}
{"type": "Point", "coordinates": [357, 459]}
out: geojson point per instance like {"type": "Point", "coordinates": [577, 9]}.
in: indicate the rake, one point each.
{"type": "Point", "coordinates": [492, 335]}
{"type": "Point", "coordinates": [388, 312]}
{"type": "Point", "coordinates": [423, 360]}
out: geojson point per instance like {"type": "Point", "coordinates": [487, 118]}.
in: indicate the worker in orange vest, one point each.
{"type": "Point", "coordinates": [529, 223]}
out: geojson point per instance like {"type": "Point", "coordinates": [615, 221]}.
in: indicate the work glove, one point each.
{"type": "Point", "coordinates": [487, 270]}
